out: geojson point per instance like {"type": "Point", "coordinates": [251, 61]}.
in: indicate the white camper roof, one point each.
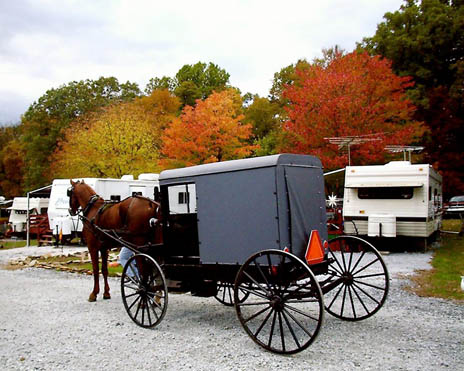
{"type": "Point", "coordinates": [20, 203]}
{"type": "Point", "coordinates": [393, 174]}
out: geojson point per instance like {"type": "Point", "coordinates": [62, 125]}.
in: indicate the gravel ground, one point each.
{"type": "Point", "coordinates": [46, 323]}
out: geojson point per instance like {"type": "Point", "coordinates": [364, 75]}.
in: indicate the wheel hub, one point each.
{"type": "Point", "coordinates": [348, 278]}
{"type": "Point", "coordinates": [277, 303]}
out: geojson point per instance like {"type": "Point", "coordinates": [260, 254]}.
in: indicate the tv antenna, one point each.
{"type": "Point", "coordinates": [352, 140]}
{"type": "Point", "coordinates": [404, 149]}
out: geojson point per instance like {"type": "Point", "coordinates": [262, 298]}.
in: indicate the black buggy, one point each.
{"type": "Point", "coordinates": [252, 233]}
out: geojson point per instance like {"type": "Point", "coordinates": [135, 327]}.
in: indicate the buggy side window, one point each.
{"type": "Point", "coordinates": [136, 194]}
{"type": "Point", "coordinates": [115, 198]}
{"type": "Point", "coordinates": [182, 199]}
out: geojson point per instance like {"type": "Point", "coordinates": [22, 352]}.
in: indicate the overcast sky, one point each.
{"type": "Point", "coordinates": [47, 43]}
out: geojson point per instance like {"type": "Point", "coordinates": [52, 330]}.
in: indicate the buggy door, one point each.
{"type": "Point", "coordinates": [180, 232]}
{"type": "Point", "coordinates": [306, 205]}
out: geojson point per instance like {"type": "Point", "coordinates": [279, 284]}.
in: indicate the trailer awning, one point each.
{"type": "Point", "coordinates": [406, 183]}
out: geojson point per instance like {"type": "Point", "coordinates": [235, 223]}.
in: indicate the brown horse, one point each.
{"type": "Point", "coordinates": [135, 219]}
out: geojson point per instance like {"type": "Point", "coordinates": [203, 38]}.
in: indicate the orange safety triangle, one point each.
{"type": "Point", "coordinates": [314, 251]}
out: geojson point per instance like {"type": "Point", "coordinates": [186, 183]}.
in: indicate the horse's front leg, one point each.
{"type": "Point", "coordinates": [96, 285]}
{"type": "Point", "coordinates": [104, 255]}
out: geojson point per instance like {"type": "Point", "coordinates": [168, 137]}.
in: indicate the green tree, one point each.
{"type": "Point", "coordinates": [425, 40]}
{"type": "Point", "coordinates": [44, 121]}
{"type": "Point", "coordinates": [192, 82]}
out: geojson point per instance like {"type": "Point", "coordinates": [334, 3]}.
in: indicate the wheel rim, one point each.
{"type": "Point", "coordinates": [144, 291]}
{"type": "Point", "coordinates": [359, 279]}
{"type": "Point", "coordinates": [284, 309]}
{"type": "Point", "coordinates": [225, 294]}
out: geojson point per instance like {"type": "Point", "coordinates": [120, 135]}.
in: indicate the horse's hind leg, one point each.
{"type": "Point", "coordinates": [104, 255]}
{"type": "Point", "coordinates": [96, 285]}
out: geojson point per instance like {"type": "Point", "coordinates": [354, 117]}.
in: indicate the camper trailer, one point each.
{"type": "Point", "coordinates": [396, 199]}
{"type": "Point", "coordinates": [61, 222]}
{"type": "Point", "coordinates": [18, 211]}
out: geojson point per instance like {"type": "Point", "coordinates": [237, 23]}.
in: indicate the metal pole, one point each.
{"type": "Point", "coordinates": [349, 156]}
{"type": "Point", "coordinates": [27, 222]}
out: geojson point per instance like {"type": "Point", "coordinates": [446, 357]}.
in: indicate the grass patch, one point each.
{"type": "Point", "coordinates": [11, 244]}
{"type": "Point", "coordinates": [453, 225]}
{"type": "Point", "coordinates": [80, 264]}
{"type": "Point", "coordinates": [444, 280]}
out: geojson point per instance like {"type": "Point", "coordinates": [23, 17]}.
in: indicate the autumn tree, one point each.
{"type": "Point", "coordinates": [123, 138]}
{"type": "Point", "coordinates": [425, 40]}
{"type": "Point", "coordinates": [355, 94]}
{"type": "Point", "coordinates": [11, 162]}
{"type": "Point", "coordinates": [209, 132]}
{"type": "Point", "coordinates": [43, 122]}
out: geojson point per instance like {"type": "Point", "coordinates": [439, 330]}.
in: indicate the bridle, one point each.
{"type": "Point", "coordinates": [90, 203]}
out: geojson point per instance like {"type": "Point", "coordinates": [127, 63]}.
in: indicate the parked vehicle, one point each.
{"type": "Point", "coordinates": [256, 239]}
{"type": "Point", "coordinates": [454, 207]}
{"type": "Point", "coordinates": [18, 211]}
{"type": "Point", "coordinates": [396, 199]}
{"type": "Point", "coordinates": [61, 222]}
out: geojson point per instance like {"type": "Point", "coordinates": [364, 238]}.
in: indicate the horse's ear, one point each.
{"type": "Point", "coordinates": [71, 181]}
{"type": "Point", "coordinates": [83, 181]}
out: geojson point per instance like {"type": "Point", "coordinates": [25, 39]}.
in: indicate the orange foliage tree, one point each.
{"type": "Point", "coordinates": [355, 94]}
{"type": "Point", "coordinates": [209, 132]}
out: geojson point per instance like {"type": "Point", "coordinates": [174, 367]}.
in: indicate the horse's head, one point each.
{"type": "Point", "coordinates": [73, 201]}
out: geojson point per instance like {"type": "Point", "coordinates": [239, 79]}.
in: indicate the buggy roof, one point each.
{"type": "Point", "coordinates": [244, 164]}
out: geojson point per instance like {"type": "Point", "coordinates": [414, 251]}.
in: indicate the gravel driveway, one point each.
{"type": "Point", "coordinates": [47, 324]}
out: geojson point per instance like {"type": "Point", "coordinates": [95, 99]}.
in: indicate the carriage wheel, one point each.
{"type": "Point", "coordinates": [284, 308]}
{"type": "Point", "coordinates": [225, 294]}
{"type": "Point", "coordinates": [357, 277]}
{"type": "Point", "coordinates": [144, 291]}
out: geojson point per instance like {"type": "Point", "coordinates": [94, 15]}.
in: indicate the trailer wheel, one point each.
{"type": "Point", "coordinates": [284, 309]}
{"type": "Point", "coordinates": [225, 294]}
{"type": "Point", "coordinates": [358, 278]}
{"type": "Point", "coordinates": [144, 290]}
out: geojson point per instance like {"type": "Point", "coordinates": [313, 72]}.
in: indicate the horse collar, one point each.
{"type": "Point", "coordinates": [92, 200]}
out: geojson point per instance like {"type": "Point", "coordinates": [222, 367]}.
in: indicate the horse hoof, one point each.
{"type": "Point", "coordinates": [92, 298]}
{"type": "Point", "coordinates": [106, 296]}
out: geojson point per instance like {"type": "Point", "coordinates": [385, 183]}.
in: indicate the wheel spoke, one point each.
{"type": "Point", "coordinates": [298, 323]}
{"type": "Point", "coordinates": [291, 329]}
{"type": "Point", "coordinates": [335, 297]}
{"type": "Point", "coordinates": [360, 300]}
{"type": "Point", "coordinates": [352, 303]}
{"type": "Point", "coordinates": [263, 323]}
{"type": "Point", "coordinates": [369, 284]}
{"type": "Point", "coordinates": [271, 333]}
{"type": "Point", "coordinates": [365, 267]}
{"type": "Point", "coordinates": [300, 312]}
{"type": "Point", "coordinates": [365, 293]}
{"type": "Point", "coordinates": [257, 314]}
{"type": "Point", "coordinates": [282, 337]}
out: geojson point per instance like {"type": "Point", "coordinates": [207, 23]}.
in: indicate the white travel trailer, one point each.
{"type": "Point", "coordinates": [109, 189]}
{"type": "Point", "coordinates": [396, 199]}
{"type": "Point", "coordinates": [18, 211]}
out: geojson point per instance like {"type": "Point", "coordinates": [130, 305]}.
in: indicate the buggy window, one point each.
{"type": "Point", "coordinates": [182, 199]}
{"type": "Point", "coordinates": [386, 193]}
{"type": "Point", "coordinates": [115, 198]}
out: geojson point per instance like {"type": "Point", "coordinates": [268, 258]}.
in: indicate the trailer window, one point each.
{"type": "Point", "coordinates": [386, 193]}
{"type": "Point", "coordinates": [184, 197]}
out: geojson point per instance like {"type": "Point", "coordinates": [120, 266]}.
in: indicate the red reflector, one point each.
{"type": "Point", "coordinates": [286, 249]}
{"type": "Point", "coordinates": [314, 252]}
